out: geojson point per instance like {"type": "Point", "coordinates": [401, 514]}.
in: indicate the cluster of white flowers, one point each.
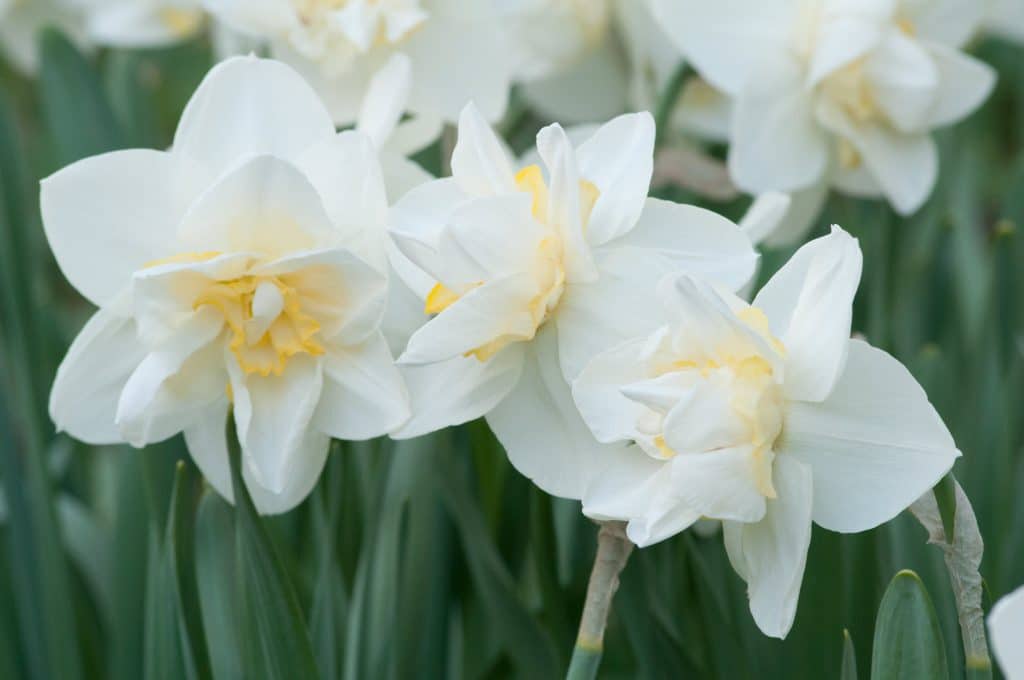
{"type": "Point", "coordinates": [269, 266]}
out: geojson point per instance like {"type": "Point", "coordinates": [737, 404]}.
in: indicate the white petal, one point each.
{"type": "Point", "coordinates": [903, 80]}
{"type": "Point", "coordinates": [458, 390]}
{"type": "Point", "coordinates": [418, 221]}
{"type": "Point", "coordinates": [702, 419]}
{"type": "Point", "coordinates": [609, 414]}
{"type": "Point", "coordinates": [264, 206]}
{"type": "Point", "coordinates": [493, 236]}
{"type": "Point", "coordinates": [905, 165]}
{"type": "Point", "coordinates": [719, 484]}
{"type": "Point", "coordinates": [874, 445]}
{"type": "Point", "coordinates": [401, 175]}
{"type": "Point", "coordinates": [964, 85]}
{"type": "Point", "coordinates": [413, 134]}
{"type": "Point", "coordinates": [493, 310]}
{"type": "Point", "coordinates": [563, 210]}
{"type": "Point", "coordinates": [765, 215]}
{"type": "Point", "coordinates": [845, 34]}
{"type": "Point", "coordinates": [619, 160]}
{"type": "Point", "coordinates": [1006, 628]}
{"type": "Point", "coordinates": [540, 428]}
{"type": "Point", "coordinates": [385, 100]}
{"type": "Point", "coordinates": [174, 383]}
{"type": "Point", "coordinates": [108, 215]}
{"type": "Point", "coordinates": [83, 400]}
{"type": "Point", "coordinates": [248, 106]}
{"type": "Point", "coordinates": [480, 163]}
{"type": "Point", "coordinates": [776, 142]}
{"type": "Point", "coordinates": [205, 439]}
{"type": "Point", "coordinates": [625, 487]}
{"type": "Point", "coordinates": [771, 554]}
{"type": "Point", "coordinates": [464, 39]}
{"type": "Point", "coordinates": [346, 173]}
{"type": "Point", "coordinates": [273, 415]}
{"type": "Point", "coordinates": [310, 456]}
{"type": "Point", "coordinates": [950, 22]}
{"type": "Point", "coordinates": [809, 304]}
{"type": "Point", "coordinates": [136, 26]}
{"type": "Point", "coordinates": [363, 394]}
{"type": "Point", "coordinates": [700, 29]}
{"type": "Point", "coordinates": [804, 209]}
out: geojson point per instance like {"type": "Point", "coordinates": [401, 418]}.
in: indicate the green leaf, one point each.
{"type": "Point", "coordinates": [218, 590]}
{"type": "Point", "coordinates": [274, 639]}
{"type": "Point", "coordinates": [908, 642]}
{"type": "Point", "coordinates": [527, 644]}
{"type": "Point", "coordinates": [175, 644]}
{"type": "Point", "coordinates": [330, 600]}
{"type": "Point", "coordinates": [75, 108]}
{"type": "Point", "coordinates": [849, 669]}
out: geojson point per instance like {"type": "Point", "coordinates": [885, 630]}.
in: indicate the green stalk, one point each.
{"type": "Point", "coordinates": [613, 550]}
{"type": "Point", "coordinates": [667, 102]}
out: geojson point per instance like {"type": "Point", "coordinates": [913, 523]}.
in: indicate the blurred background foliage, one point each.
{"type": "Point", "coordinates": [433, 558]}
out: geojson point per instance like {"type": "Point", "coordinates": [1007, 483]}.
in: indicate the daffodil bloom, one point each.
{"type": "Point", "coordinates": [244, 269]}
{"type": "Point", "coordinates": [21, 21]}
{"type": "Point", "coordinates": [764, 415]}
{"type": "Point", "coordinates": [455, 48]}
{"type": "Point", "coordinates": [141, 23]}
{"type": "Point", "coordinates": [534, 269]}
{"type": "Point", "coordinates": [835, 92]}
{"type": "Point", "coordinates": [1006, 629]}
{"type": "Point", "coordinates": [587, 60]}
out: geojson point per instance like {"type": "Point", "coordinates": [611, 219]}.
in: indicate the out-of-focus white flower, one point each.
{"type": "Point", "coordinates": [766, 416]}
{"type": "Point", "coordinates": [1005, 19]}
{"type": "Point", "coordinates": [380, 118]}
{"type": "Point", "coordinates": [140, 23]}
{"type": "Point", "coordinates": [455, 48]}
{"type": "Point", "coordinates": [246, 269]}
{"type": "Point", "coordinates": [842, 92]}
{"type": "Point", "coordinates": [587, 60]}
{"type": "Point", "coordinates": [21, 21]}
{"type": "Point", "coordinates": [533, 270]}
{"type": "Point", "coordinates": [1006, 628]}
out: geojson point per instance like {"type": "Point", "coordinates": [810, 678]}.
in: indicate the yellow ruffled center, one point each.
{"type": "Point", "coordinates": [548, 267]}
{"type": "Point", "coordinates": [264, 316]}
{"type": "Point", "coordinates": [756, 394]}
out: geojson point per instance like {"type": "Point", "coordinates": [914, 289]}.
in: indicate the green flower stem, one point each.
{"type": "Point", "coordinates": [667, 102]}
{"type": "Point", "coordinates": [613, 549]}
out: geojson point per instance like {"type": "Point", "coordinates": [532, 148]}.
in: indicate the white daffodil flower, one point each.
{"type": "Point", "coordinates": [534, 269]}
{"type": "Point", "coordinates": [836, 92]}
{"type": "Point", "coordinates": [455, 50]}
{"type": "Point", "coordinates": [245, 269]}
{"type": "Point", "coordinates": [1006, 628]}
{"type": "Point", "coordinates": [21, 21]}
{"type": "Point", "coordinates": [140, 23]}
{"type": "Point", "coordinates": [766, 416]}
{"type": "Point", "coordinates": [587, 60]}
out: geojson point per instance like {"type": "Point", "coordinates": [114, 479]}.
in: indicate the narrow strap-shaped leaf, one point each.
{"type": "Point", "coordinates": [75, 107]}
{"type": "Point", "coordinates": [175, 643]}
{"type": "Point", "coordinates": [908, 641]}
{"type": "Point", "coordinates": [215, 572]}
{"type": "Point", "coordinates": [274, 638]}
{"type": "Point", "coordinates": [849, 668]}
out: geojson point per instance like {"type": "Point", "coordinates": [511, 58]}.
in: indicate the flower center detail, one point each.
{"type": "Point", "coordinates": [740, 378]}
{"type": "Point", "coordinates": [547, 268]}
{"type": "Point", "coordinates": [181, 22]}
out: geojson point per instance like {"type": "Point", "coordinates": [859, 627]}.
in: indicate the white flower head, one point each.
{"type": "Point", "coordinates": [1005, 18]}
{"type": "Point", "coordinates": [21, 21]}
{"type": "Point", "coordinates": [1006, 629]}
{"type": "Point", "coordinates": [766, 416]}
{"type": "Point", "coordinates": [339, 44]}
{"type": "Point", "coordinates": [244, 269]}
{"type": "Point", "coordinates": [839, 92]}
{"type": "Point", "coordinates": [534, 269]}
